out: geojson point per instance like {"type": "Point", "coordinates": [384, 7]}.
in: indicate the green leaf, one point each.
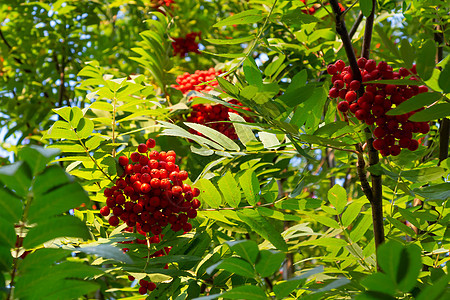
{"type": "Point", "coordinates": [387, 42]}
{"type": "Point", "coordinates": [231, 41]}
{"type": "Point", "coordinates": [424, 174]}
{"type": "Point", "coordinates": [425, 59]}
{"type": "Point", "coordinates": [64, 226]}
{"type": "Point", "coordinates": [436, 290]}
{"type": "Point", "coordinates": [269, 140]}
{"type": "Point", "coordinates": [273, 67]}
{"type": "Point", "coordinates": [252, 73]}
{"type": "Point", "coordinates": [230, 190]}
{"type": "Point", "coordinates": [326, 221]}
{"type": "Point", "coordinates": [396, 81]}
{"type": "Point", "coordinates": [407, 52]}
{"type": "Point", "coordinates": [262, 227]}
{"type": "Point", "coordinates": [434, 192]}
{"type": "Point", "coordinates": [244, 132]}
{"type": "Point", "coordinates": [414, 103]}
{"type": "Point", "coordinates": [245, 17]}
{"type": "Point", "coordinates": [52, 177]}
{"type": "Point", "coordinates": [269, 262]}
{"type": "Point", "coordinates": [107, 251]}
{"type": "Point", "coordinates": [56, 202]}
{"type": "Point", "coordinates": [84, 128]}
{"type": "Point", "coordinates": [16, 177]}
{"type": "Point", "coordinates": [250, 185]}
{"type": "Point", "coordinates": [437, 111]}
{"type": "Point", "coordinates": [61, 130]}
{"type": "Point", "coordinates": [208, 193]}
{"type": "Point", "coordinates": [361, 228]}
{"type": "Point", "coordinates": [402, 227]}
{"type": "Point", "coordinates": [214, 135]}
{"type": "Point", "coordinates": [64, 112]}
{"type": "Point", "coordinates": [379, 282]}
{"type": "Point", "coordinates": [444, 78]}
{"type": "Point", "coordinates": [10, 206]}
{"type": "Point", "coordinates": [234, 265]}
{"type": "Point", "coordinates": [43, 258]}
{"type": "Point", "coordinates": [228, 87]}
{"type": "Point", "coordinates": [338, 197]}
{"type": "Point", "coordinates": [402, 264]}
{"type": "Point", "coordinates": [37, 157]}
{"type": "Point", "coordinates": [5, 259]}
{"type": "Point", "coordinates": [284, 288]}
{"type": "Point", "coordinates": [7, 234]}
{"type": "Point", "coordinates": [351, 213]}
{"type": "Point", "coordinates": [247, 249]}
{"type": "Point", "coordinates": [366, 7]}
{"type": "Point", "coordinates": [246, 292]}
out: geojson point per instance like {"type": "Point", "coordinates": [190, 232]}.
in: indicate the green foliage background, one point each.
{"type": "Point", "coordinates": [283, 215]}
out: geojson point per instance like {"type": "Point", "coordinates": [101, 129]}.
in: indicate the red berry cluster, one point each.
{"type": "Point", "coordinates": [145, 285]}
{"type": "Point", "coordinates": [392, 133]}
{"type": "Point", "coordinates": [151, 193]}
{"type": "Point", "coordinates": [206, 113]}
{"type": "Point", "coordinates": [189, 43]}
{"type": "Point", "coordinates": [209, 115]}
{"type": "Point", "coordinates": [190, 82]}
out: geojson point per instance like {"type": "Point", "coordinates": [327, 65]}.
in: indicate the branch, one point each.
{"type": "Point", "coordinates": [365, 52]}
{"type": "Point", "coordinates": [18, 60]}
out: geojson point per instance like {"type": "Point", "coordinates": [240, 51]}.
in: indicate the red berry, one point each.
{"type": "Point", "coordinates": [350, 96]}
{"type": "Point", "coordinates": [142, 148]}
{"type": "Point", "coordinates": [413, 145]}
{"type": "Point", "coordinates": [135, 156]}
{"type": "Point", "coordinates": [340, 64]}
{"type": "Point", "coordinates": [333, 93]}
{"type": "Point", "coordinates": [195, 192]}
{"type": "Point", "coordinates": [370, 65]}
{"type": "Point", "coordinates": [151, 143]}
{"type": "Point", "coordinates": [395, 150]}
{"type": "Point", "coordinates": [130, 278]}
{"type": "Point", "coordinates": [362, 62]}
{"type": "Point", "coordinates": [143, 282]}
{"type": "Point", "coordinates": [332, 69]}
{"type": "Point", "coordinates": [104, 211]}
{"type": "Point", "coordinates": [151, 286]}
{"type": "Point", "coordinates": [142, 290]}
{"type": "Point", "coordinates": [361, 114]}
{"type": "Point", "coordinates": [354, 85]}
{"type": "Point", "coordinates": [343, 106]}
{"type": "Point", "coordinates": [339, 84]}
{"type": "Point", "coordinates": [379, 132]}
{"type": "Point", "coordinates": [113, 221]}
{"type": "Point", "coordinates": [123, 160]}
{"type": "Point", "coordinates": [192, 213]}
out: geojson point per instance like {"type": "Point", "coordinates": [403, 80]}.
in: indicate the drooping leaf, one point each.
{"type": "Point", "coordinates": [51, 228]}
{"type": "Point", "coordinates": [234, 265]}
{"type": "Point", "coordinates": [208, 193]}
{"type": "Point", "coordinates": [269, 262]}
{"type": "Point", "coordinates": [262, 227]}
{"type": "Point", "coordinates": [230, 190]}
{"type": "Point", "coordinates": [414, 103]}
{"type": "Point", "coordinates": [338, 197]}
{"type": "Point", "coordinates": [250, 185]}
{"type": "Point", "coordinates": [246, 292]}
{"type": "Point", "coordinates": [247, 249]}
{"type": "Point", "coordinates": [245, 17]}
